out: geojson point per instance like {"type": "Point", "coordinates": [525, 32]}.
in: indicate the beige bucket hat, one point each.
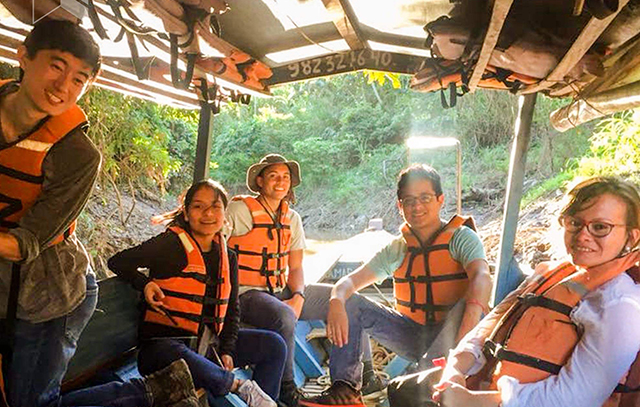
{"type": "Point", "coordinates": [267, 160]}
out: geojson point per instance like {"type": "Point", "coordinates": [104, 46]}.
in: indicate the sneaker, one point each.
{"type": "Point", "coordinates": [374, 385]}
{"type": "Point", "coordinates": [339, 394]}
{"type": "Point", "coordinates": [290, 394]}
{"type": "Point", "coordinates": [170, 385]}
{"type": "Point", "coordinates": [252, 394]}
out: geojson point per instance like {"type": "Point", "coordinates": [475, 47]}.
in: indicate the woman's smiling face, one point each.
{"type": "Point", "coordinates": [602, 211]}
{"type": "Point", "coordinates": [205, 213]}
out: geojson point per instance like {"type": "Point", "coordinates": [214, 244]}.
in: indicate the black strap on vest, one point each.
{"type": "Point", "coordinates": [535, 300]}
{"type": "Point", "coordinates": [426, 307]}
{"type": "Point", "coordinates": [429, 307]}
{"type": "Point", "coordinates": [199, 299]}
{"type": "Point", "coordinates": [494, 350]}
{"type": "Point", "coordinates": [264, 254]}
{"type": "Point", "coordinates": [497, 351]}
{"type": "Point", "coordinates": [271, 227]}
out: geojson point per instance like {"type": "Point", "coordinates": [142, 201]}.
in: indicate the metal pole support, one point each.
{"type": "Point", "coordinates": [459, 177]}
{"type": "Point", "coordinates": [203, 146]}
{"type": "Point", "coordinates": [507, 274]}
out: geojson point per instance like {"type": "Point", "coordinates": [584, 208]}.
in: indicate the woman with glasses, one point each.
{"type": "Point", "coordinates": [191, 310]}
{"type": "Point", "coordinates": [570, 334]}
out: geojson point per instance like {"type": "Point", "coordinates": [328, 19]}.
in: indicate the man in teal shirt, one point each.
{"type": "Point", "coordinates": [441, 280]}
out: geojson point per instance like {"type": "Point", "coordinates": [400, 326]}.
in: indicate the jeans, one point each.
{"type": "Point", "coordinates": [393, 330]}
{"type": "Point", "coordinates": [41, 356]}
{"type": "Point", "coordinates": [42, 352]}
{"type": "Point", "coordinates": [115, 394]}
{"type": "Point", "coordinates": [265, 311]}
{"type": "Point", "coordinates": [265, 351]}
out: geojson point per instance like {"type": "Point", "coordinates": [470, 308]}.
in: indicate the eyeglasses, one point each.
{"type": "Point", "coordinates": [596, 228]}
{"type": "Point", "coordinates": [412, 201]}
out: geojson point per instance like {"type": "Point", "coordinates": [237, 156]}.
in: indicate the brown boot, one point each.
{"type": "Point", "coordinates": [171, 385]}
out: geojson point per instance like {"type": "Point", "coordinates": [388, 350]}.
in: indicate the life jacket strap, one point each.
{"type": "Point", "coordinates": [425, 307]}
{"type": "Point", "coordinates": [431, 279]}
{"type": "Point", "coordinates": [497, 351]}
{"type": "Point", "coordinates": [535, 300]}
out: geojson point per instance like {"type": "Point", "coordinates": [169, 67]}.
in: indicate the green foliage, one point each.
{"type": "Point", "coordinates": [551, 184]}
{"type": "Point", "coordinates": [348, 134]}
{"type": "Point", "coordinates": [8, 71]}
{"type": "Point", "coordinates": [615, 147]}
{"type": "Point", "coordinates": [141, 142]}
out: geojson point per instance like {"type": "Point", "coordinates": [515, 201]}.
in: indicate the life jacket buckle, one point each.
{"type": "Point", "coordinates": [491, 350]}
{"type": "Point", "coordinates": [529, 299]}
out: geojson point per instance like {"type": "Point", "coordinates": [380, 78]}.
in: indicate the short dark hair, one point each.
{"type": "Point", "coordinates": [580, 196]}
{"type": "Point", "coordinates": [66, 36]}
{"type": "Point", "coordinates": [419, 172]}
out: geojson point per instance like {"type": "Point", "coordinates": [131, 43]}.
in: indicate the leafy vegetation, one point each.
{"type": "Point", "coordinates": [348, 134]}
{"type": "Point", "coordinates": [615, 147]}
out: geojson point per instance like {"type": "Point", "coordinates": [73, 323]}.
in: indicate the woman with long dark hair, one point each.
{"type": "Point", "coordinates": [191, 306]}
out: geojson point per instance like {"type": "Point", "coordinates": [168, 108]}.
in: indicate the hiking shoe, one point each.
{"type": "Point", "coordinates": [374, 385]}
{"type": "Point", "coordinates": [290, 394]}
{"type": "Point", "coordinates": [339, 394]}
{"type": "Point", "coordinates": [254, 396]}
{"type": "Point", "coordinates": [170, 385]}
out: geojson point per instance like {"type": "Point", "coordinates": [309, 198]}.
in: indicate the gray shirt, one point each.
{"type": "Point", "coordinates": [53, 278]}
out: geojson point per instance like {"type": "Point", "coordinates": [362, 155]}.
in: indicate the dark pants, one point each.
{"type": "Point", "coordinates": [265, 351]}
{"type": "Point", "coordinates": [42, 353]}
{"type": "Point", "coordinates": [115, 394]}
{"type": "Point", "coordinates": [266, 311]}
{"type": "Point", "coordinates": [41, 356]}
{"type": "Point", "coordinates": [414, 390]}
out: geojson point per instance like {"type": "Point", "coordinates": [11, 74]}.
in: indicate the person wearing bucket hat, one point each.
{"type": "Point", "coordinates": [269, 239]}
{"type": "Point", "coordinates": [271, 159]}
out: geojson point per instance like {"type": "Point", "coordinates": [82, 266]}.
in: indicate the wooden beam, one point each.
{"type": "Point", "coordinates": [121, 77]}
{"type": "Point", "coordinates": [344, 24]}
{"type": "Point", "coordinates": [347, 61]}
{"type": "Point", "coordinates": [498, 16]}
{"type": "Point", "coordinates": [119, 84]}
{"type": "Point", "coordinates": [626, 64]}
{"type": "Point", "coordinates": [580, 46]}
{"type": "Point", "coordinates": [216, 42]}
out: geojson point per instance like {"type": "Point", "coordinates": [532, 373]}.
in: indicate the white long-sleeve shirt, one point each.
{"type": "Point", "coordinates": [610, 317]}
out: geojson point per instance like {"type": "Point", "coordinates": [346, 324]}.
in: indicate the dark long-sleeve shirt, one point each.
{"type": "Point", "coordinates": [53, 278]}
{"type": "Point", "coordinates": [164, 256]}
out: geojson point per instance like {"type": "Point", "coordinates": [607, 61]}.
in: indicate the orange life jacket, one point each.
{"type": "Point", "coordinates": [429, 282]}
{"type": "Point", "coordinates": [441, 73]}
{"type": "Point", "coordinates": [185, 292]}
{"type": "Point", "coordinates": [263, 253]}
{"type": "Point", "coordinates": [536, 336]}
{"type": "Point", "coordinates": [21, 175]}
